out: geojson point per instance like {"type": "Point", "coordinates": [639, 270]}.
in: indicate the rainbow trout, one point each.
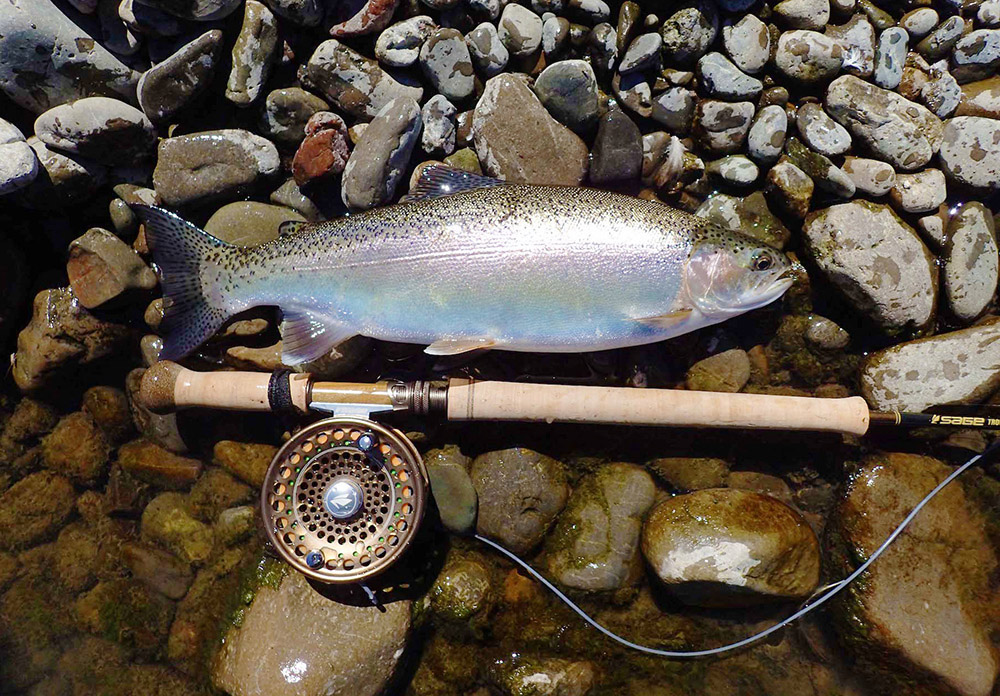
{"type": "Point", "coordinates": [469, 262]}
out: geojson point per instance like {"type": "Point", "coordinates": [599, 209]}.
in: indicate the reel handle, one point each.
{"type": "Point", "coordinates": [166, 387]}
{"type": "Point", "coordinates": [506, 401]}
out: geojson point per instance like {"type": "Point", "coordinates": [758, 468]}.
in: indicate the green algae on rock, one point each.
{"type": "Point", "coordinates": [166, 521]}
{"type": "Point", "coordinates": [34, 509]}
{"type": "Point", "coordinates": [451, 485]}
{"type": "Point", "coordinates": [77, 449]}
{"type": "Point", "coordinates": [128, 612]}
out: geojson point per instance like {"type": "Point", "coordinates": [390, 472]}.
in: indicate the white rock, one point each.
{"type": "Point", "coordinates": [920, 192]}
{"type": "Point", "coordinates": [971, 262]}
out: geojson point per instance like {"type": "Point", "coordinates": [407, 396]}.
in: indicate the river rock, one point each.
{"type": "Point", "coordinates": [933, 581]}
{"type": "Point", "coordinates": [939, 42]}
{"type": "Point", "coordinates": [520, 493]}
{"type": "Point", "coordinates": [155, 465]}
{"type": "Point", "coordinates": [766, 138]}
{"type": "Point", "coordinates": [603, 44]}
{"type": "Point", "coordinates": [904, 134]}
{"type": "Point", "coordinates": [34, 509]}
{"type": "Point", "coordinates": [976, 55]}
{"type": "Point", "coordinates": [642, 54]}
{"type": "Point", "coordinates": [520, 30]}
{"type": "Point", "coordinates": [689, 31]}
{"type": "Point", "coordinates": [870, 176]}
{"type": "Point", "coordinates": [789, 188]}
{"type": "Point", "coordinates": [174, 83]}
{"type": "Point", "coordinates": [325, 150]}
{"type": "Point", "coordinates": [808, 56]}
{"type": "Point", "coordinates": [46, 59]}
{"type": "Point", "coordinates": [18, 163]}
{"type": "Point", "coordinates": [857, 38]}
{"type": "Point", "coordinates": [674, 108]}
{"type": "Point", "coordinates": [62, 336]}
{"type": "Point", "coordinates": [307, 13]}
{"type": "Point", "coordinates": [101, 267]}
{"type": "Point", "coordinates": [77, 449]}
{"type": "Point", "coordinates": [890, 55]}
{"type": "Point", "coordinates": [617, 154]}
{"type": "Point", "coordinates": [971, 264]}
{"type": "Point", "coordinates": [98, 128]}
{"type": "Point", "coordinates": [970, 152]}
{"type": "Point", "coordinates": [454, 494]}
{"type": "Point", "coordinates": [555, 36]}
{"type": "Point", "coordinates": [399, 45]}
{"type": "Point", "coordinates": [212, 165]}
{"type": "Point", "coordinates": [197, 10]}
{"type": "Point", "coordinates": [950, 368]}
{"type": "Point", "coordinates": [517, 140]}
{"type": "Point", "coordinates": [438, 116]}
{"type": "Point", "coordinates": [487, 50]}
{"type": "Point", "coordinates": [920, 192]}
{"type": "Point", "coordinates": [721, 79]}
{"type": "Point", "coordinates": [518, 673]}
{"type": "Point", "coordinates": [568, 89]}
{"type": "Point", "coordinates": [729, 547]}
{"type": "Point", "coordinates": [446, 62]}
{"type": "Point", "coordinates": [752, 216]}
{"type": "Point", "coordinates": [748, 43]}
{"type": "Point", "coordinates": [980, 98]}
{"type": "Point", "coordinates": [820, 132]}
{"type": "Point", "coordinates": [166, 521]}
{"type": "Point", "coordinates": [728, 371]}
{"type": "Point", "coordinates": [803, 14]}
{"type": "Point", "coordinates": [462, 593]}
{"type": "Point", "coordinates": [257, 656]}
{"type": "Point", "coordinates": [595, 543]}
{"type": "Point", "coordinates": [877, 261]}
{"type": "Point", "coordinates": [356, 84]}
{"type": "Point", "coordinates": [820, 169]}
{"type": "Point", "coordinates": [919, 22]}
{"type": "Point", "coordinates": [721, 127]}
{"type": "Point", "coordinates": [377, 163]}
{"type": "Point", "coordinates": [63, 180]}
{"type": "Point", "coordinates": [253, 54]}
{"type": "Point", "coordinates": [249, 223]}
{"type": "Point", "coordinates": [286, 112]}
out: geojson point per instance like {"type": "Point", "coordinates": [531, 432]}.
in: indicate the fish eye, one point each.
{"type": "Point", "coordinates": [761, 261]}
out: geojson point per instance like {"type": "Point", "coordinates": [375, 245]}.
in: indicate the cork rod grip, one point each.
{"type": "Point", "coordinates": [166, 386]}
{"type": "Point", "coordinates": [505, 401]}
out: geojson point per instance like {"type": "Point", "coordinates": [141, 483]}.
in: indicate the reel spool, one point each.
{"type": "Point", "coordinates": [343, 499]}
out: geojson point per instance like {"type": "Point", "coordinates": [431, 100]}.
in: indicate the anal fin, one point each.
{"type": "Point", "coordinates": [308, 335]}
{"type": "Point", "coordinates": [456, 346]}
{"type": "Point", "coordinates": [666, 321]}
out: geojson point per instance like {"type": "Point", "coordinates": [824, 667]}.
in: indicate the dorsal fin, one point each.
{"type": "Point", "coordinates": [439, 180]}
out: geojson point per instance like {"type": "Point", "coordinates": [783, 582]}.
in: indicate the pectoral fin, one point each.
{"type": "Point", "coordinates": [455, 346]}
{"type": "Point", "coordinates": [666, 321]}
{"type": "Point", "coordinates": [307, 335]}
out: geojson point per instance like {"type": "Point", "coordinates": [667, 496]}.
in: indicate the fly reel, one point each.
{"type": "Point", "coordinates": [343, 499]}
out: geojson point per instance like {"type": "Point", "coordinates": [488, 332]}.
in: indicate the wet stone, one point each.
{"type": "Point", "coordinates": [109, 409]}
{"type": "Point", "coordinates": [445, 60]}
{"type": "Point", "coordinates": [684, 474]}
{"type": "Point", "coordinates": [352, 82]}
{"type": "Point", "coordinates": [976, 55]}
{"type": "Point", "coordinates": [736, 170]}
{"type": "Point", "coordinates": [595, 543]}
{"type": "Point", "coordinates": [789, 188]}
{"type": "Point", "coordinates": [808, 56]}
{"type": "Point", "coordinates": [728, 371]}
{"type": "Point", "coordinates": [212, 165]}
{"type": "Point", "coordinates": [62, 180]}
{"type": "Point", "coordinates": [970, 152]}
{"type": "Point", "coordinates": [249, 223]}
{"type": "Point", "coordinates": [748, 43]}
{"type": "Point", "coordinates": [101, 267]}
{"type": "Point", "coordinates": [462, 592]}
{"type": "Point", "coordinates": [77, 449]}
{"type": "Point", "coordinates": [747, 214]}
{"type": "Point", "coordinates": [721, 79]}
{"type": "Point", "coordinates": [198, 10]}
{"type": "Point", "coordinates": [971, 263]}
{"type": "Point", "coordinates": [820, 169]}
{"type": "Point", "coordinates": [520, 30]}
{"type": "Point", "coordinates": [568, 90]}
{"type": "Point", "coordinates": [454, 494]}
{"type": "Point", "coordinates": [399, 45]}
{"type": "Point", "coordinates": [148, 21]}
{"type": "Point", "coordinates": [766, 138]}
{"type": "Point", "coordinates": [517, 140]}
{"type": "Point", "coordinates": [721, 127]}
{"type": "Point", "coordinates": [689, 31]}
{"type": "Point", "coordinates": [290, 196]}
{"type": "Point", "coordinates": [857, 39]}
{"type": "Point", "coordinates": [890, 55]}
{"type": "Point", "coordinates": [487, 50]}
{"type": "Point", "coordinates": [520, 494]}
{"type": "Point", "coordinates": [617, 154]}
{"type": "Point", "coordinates": [939, 42]}
{"type": "Point", "coordinates": [153, 464]}
{"type": "Point", "coordinates": [894, 129]}
{"type": "Point", "coordinates": [758, 548]}
{"type": "Point", "coordinates": [521, 674]}
{"type": "Point", "coordinates": [18, 163]}
{"type": "Point", "coordinates": [933, 228]}
{"type": "Point", "coordinates": [215, 491]}
{"type": "Point", "coordinates": [603, 48]}
{"type": "Point", "coordinates": [629, 15]}
{"type": "Point", "coordinates": [102, 129]}
{"type": "Point", "coordinates": [161, 429]}
{"type": "Point", "coordinates": [254, 54]}
{"type": "Point", "coordinates": [803, 14]}
{"type": "Point", "coordinates": [325, 150]}
{"type": "Point", "coordinates": [919, 22]}
{"type": "Point", "coordinates": [166, 521]}
{"type": "Point", "coordinates": [158, 570]}
{"type": "Point", "coordinates": [920, 192]}
{"type": "Point", "coordinates": [674, 108]}
{"type": "Point", "coordinates": [438, 116]}
{"type": "Point", "coordinates": [286, 112]}
{"type": "Point", "coordinates": [877, 261]}
{"type": "Point", "coordinates": [820, 132]}
{"type": "Point", "coordinates": [247, 461]}
{"type": "Point", "coordinates": [871, 177]}
{"type": "Point", "coordinates": [307, 13]}
{"type": "Point", "coordinates": [989, 13]}
{"type": "Point", "coordinates": [555, 35]}
{"type": "Point", "coordinates": [642, 54]}
{"type": "Point", "coordinates": [377, 163]}
{"type": "Point", "coordinates": [980, 99]}
{"type": "Point", "coordinates": [34, 509]}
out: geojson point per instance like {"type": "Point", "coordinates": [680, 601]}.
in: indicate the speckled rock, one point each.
{"type": "Point", "coordinates": [920, 192]}
{"type": "Point", "coordinates": [354, 83]}
{"type": "Point", "coordinates": [487, 50]}
{"type": "Point", "coordinates": [62, 180]}
{"type": "Point", "coordinates": [166, 521]}
{"type": "Point", "coordinates": [18, 163]}
{"type": "Point", "coordinates": [642, 54]}
{"type": "Point", "coordinates": [766, 138]}
{"type": "Point", "coordinates": [603, 43]}
{"type": "Point", "coordinates": [894, 129]}
{"type": "Point", "coordinates": [748, 43]}
{"type": "Point", "coordinates": [520, 30]}
{"type": "Point", "coordinates": [721, 127]}
{"type": "Point", "coordinates": [933, 228]}
{"type": "Point", "coordinates": [871, 177]}
{"type": "Point", "coordinates": [174, 83]}
{"type": "Point", "coordinates": [438, 116]}
{"type": "Point", "coordinates": [820, 132]}
{"type": "Point", "coordinates": [595, 543]}
{"type": "Point", "coordinates": [890, 55]}
{"type": "Point", "coordinates": [568, 89]}
{"type": "Point", "coordinates": [617, 154]}
{"type": "Point", "coordinates": [808, 56]}
{"type": "Point", "coordinates": [950, 368]}
{"type": "Point", "coordinates": [247, 461]}
{"type": "Point", "coordinates": [109, 409]}
{"type": "Point", "coordinates": [101, 267]}
{"type": "Point", "coordinates": [377, 163]}
{"type": "Point", "coordinates": [877, 261]}
{"type": "Point", "coordinates": [286, 112]}
{"type": "Point", "coordinates": [970, 152]}
{"type": "Point", "coordinates": [34, 509]}
{"type": "Point", "coordinates": [399, 45]}
{"type": "Point", "coordinates": [789, 188]}
{"type": "Point", "coordinates": [520, 494]}
{"type": "Point", "coordinates": [803, 14]}
{"type": "Point", "coordinates": [61, 337]}
{"type": "Point", "coordinates": [980, 98]}
{"type": "Point", "coordinates": [249, 223]}
{"type": "Point", "coordinates": [857, 39]}
{"type": "Point", "coordinates": [325, 150]}
{"type": "Point", "coordinates": [446, 62]}
{"type": "Point", "coordinates": [938, 569]}
{"type": "Point", "coordinates": [674, 108]}
{"type": "Point", "coordinates": [976, 55]}
{"type": "Point", "coordinates": [989, 13]}
{"type": "Point", "coordinates": [555, 35]}
{"type": "Point", "coordinates": [539, 150]}
{"type": "Point", "coordinates": [198, 10]}
{"type": "Point", "coordinates": [47, 60]}
{"type": "Point", "coordinates": [159, 570]}
{"type": "Point", "coordinates": [919, 22]}
{"type": "Point", "coordinates": [212, 165]}
{"type": "Point", "coordinates": [689, 31]}
{"type": "Point", "coordinates": [939, 42]}
{"type": "Point", "coordinates": [454, 494]}
{"type": "Point", "coordinates": [256, 656]}
{"type": "Point", "coordinates": [971, 264]}
{"type": "Point", "coordinates": [253, 54]}
{"type": "Point", "coordinates": [723, 80]}
{"type": "Point", "coordinates": [729, 547]}
{"type": "Point", "coordinates": [462, 592]}
{"type": "Point", "coordinates": [820, 169]}
{"type": "Point", "coordinates": [735, 170]}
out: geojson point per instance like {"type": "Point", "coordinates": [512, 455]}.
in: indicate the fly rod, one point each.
{"type": "Point", "coordinates": [166, 386]}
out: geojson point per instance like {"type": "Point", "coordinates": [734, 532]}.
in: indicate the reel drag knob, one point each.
{"type": "Point", "coordinates": [343, 499]}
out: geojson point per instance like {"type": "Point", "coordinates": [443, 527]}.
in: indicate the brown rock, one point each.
{"type": "Point", "coordinates": [101, 267]}
{"type": "Point", "coordinates": [109, 409]}
{"type": "Point", "coordinates": [728, 371]}
{"type": "Point", "coordinates": [248, 461]}
{"type": "Point", "coordinates": [690, 473]}
{"type": "Point", "coordinates": [980, 98]}
{"type": "Point", "coordinates": [151, 463]}
{"type": "Point", "coordinates": [325, 150]}
{"type": "Point", "coordinates": [34, 508]}
{"type": "Point", "coordinates": [77, 449]}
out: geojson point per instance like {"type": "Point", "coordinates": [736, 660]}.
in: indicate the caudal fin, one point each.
{"type": "Point", "coordinates": [182, 251]}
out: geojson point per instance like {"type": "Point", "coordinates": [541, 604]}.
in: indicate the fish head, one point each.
{"type": "Point", "coordinates": [729, 273]}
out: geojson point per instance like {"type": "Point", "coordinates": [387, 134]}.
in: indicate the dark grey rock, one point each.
{"type": "Point", "coordinates": [174, 83]}
{"type": "Point", "coordinates": [617, 153]}
{"type": "Point", "coordinates": [568, 89]}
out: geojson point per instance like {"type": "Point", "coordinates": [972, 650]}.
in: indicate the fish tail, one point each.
{"type": "Point", "coordinates": [181, 251]}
